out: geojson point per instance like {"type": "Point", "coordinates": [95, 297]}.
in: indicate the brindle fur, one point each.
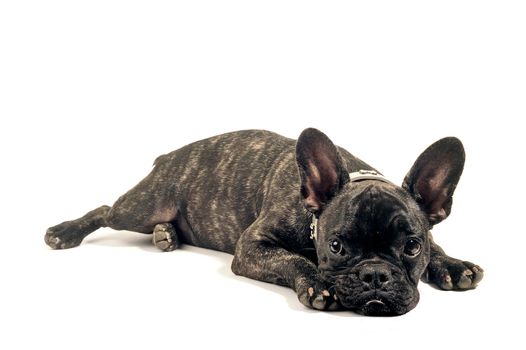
{"type": "Point", "coordinates": [241, 193]}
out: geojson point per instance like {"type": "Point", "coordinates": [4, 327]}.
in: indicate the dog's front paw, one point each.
{"type": "Point", "coordinates": [452, 274]}
{"type": "Point", "coordinates": [316, 295]}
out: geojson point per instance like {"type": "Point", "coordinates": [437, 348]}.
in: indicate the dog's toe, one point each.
{"type": "Point", "coordinates": [465, 280]}
{"type": "Point", "coordinates": [446, 282]}
{"type": "Point", "coordinates": [52, 240]}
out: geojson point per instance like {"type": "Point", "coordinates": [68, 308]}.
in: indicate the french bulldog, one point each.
{"type": "Point", "coordinates": [304, 214]}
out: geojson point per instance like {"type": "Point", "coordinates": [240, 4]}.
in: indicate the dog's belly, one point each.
{"type": "Point", "coordinates": [212, 229]}
{"type": "Point", "coordinates": [215, 213]}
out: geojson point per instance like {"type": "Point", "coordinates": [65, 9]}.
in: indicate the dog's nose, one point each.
{"type": "Point", "coordinates": [376, 275]}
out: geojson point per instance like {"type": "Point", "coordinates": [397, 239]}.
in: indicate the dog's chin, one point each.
{"type": "Point", "coordinates": [376, 307]}
{"type": "Point", "coordinates": [380, 305]}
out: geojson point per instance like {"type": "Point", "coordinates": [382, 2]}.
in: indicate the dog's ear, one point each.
{"type": "Point", "coordinates": [434, 177]}
{"type": "Point", "coordinates": [321, 169]}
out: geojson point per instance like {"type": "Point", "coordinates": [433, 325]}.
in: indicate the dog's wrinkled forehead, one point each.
{"type": "Point", "coordinates": [374, 208]}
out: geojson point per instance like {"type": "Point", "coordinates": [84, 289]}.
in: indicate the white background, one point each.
{"type": "Point", "coordinates": [91, 92]}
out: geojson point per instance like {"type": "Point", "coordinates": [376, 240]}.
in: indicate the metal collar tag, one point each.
{"type": "Point", "coordinates": [314, 228]}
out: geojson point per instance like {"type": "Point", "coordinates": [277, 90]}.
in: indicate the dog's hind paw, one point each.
{"type": "Point", "coordinates": [165, 238]}
{"type": "Point", "coordinates": [63, 236]}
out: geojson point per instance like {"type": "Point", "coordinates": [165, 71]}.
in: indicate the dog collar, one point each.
{"type": "Point", "coordinates": [356, 176]}
{"type": "Point", "coordinates": [367, 175]}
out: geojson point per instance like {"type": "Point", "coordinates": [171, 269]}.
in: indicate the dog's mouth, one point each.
{"type": "Point", "coordinates": [379, 304]}
{"type": "Point", "coordinates": [376, 307]}
{"type": "Point", "coordinates": [376, 302]}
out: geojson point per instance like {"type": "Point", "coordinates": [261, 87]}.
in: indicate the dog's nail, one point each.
{"type": "Point", "coordinates": [448, 283]}
{"type": "Point", "coordinates": [335, 297]}
{"type": "Point", "coordinates": [477, 268]}
{"type": "Point", "coordinates": [310, 291]}
{"type": "Point", "coordinates": [326, 293]}
{"type": "Point", "coordinates": [468, 272]}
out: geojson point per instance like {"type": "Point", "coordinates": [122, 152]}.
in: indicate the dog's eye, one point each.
{"type": "Point", "coordinates": [336, 246]}
{"type": "Point", "coordinates": [412, 247]}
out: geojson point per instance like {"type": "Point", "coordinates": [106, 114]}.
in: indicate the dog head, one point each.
{"type": "Point", "coordinates": [372, 236]}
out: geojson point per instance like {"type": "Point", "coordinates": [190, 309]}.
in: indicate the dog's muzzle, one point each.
{"type": "Point", "coordinates": [375, 288]}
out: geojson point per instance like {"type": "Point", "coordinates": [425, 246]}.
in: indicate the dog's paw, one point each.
{"type": "Point", "coordinates": [316, 295]}
{"type": "Point", "coordinates": [165, 238]}
{"type": "Point", "coordinates": [63, 236]}
{"type": "Point", "coordinates": [452, 274]}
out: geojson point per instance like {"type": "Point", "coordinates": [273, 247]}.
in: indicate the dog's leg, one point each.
{"type": "Point", "coordinates": [70, 233]}
{"type": "Point", "coordinates": [449, 273]}
{"type": "Point", "coordinates": [148, 204]}
{"type": "Point", "coordinates": [261, 258]}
